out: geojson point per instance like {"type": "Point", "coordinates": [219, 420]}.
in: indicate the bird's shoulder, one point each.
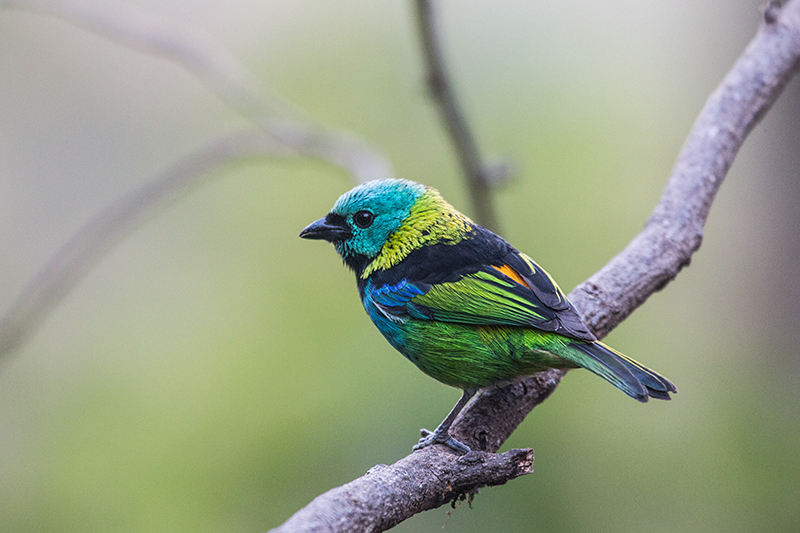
{"type": "Point", "coordinates": [446, 262]}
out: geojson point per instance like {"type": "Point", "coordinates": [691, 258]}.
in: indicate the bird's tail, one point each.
{"type": "Point", "coordinates": [632, 378]}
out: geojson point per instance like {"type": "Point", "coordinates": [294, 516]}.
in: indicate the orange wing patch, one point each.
{"type": "Point", "coordinates": [511, 273]}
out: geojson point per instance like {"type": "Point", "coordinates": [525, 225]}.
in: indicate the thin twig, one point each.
{"type": "Point", "coordinates": [475, 170]}
{"type": "Point", "coordinates": [219, 70]}
{"type": "Point", "coordinates": [281, 134]}
{"type": "Point", "coordinates": [672, 234]}
{"type": "Point", "coordinates": [40, 296]}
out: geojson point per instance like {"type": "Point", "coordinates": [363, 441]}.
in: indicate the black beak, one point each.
{"type": "Point", "coordinates": [331, 228]}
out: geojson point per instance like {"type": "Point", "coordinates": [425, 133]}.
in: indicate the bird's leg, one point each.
{"type": "Point", "coordinates": [441, 435]}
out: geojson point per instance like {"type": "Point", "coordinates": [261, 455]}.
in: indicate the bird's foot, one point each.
{"type": "Point", "coordinates": [434, 437]}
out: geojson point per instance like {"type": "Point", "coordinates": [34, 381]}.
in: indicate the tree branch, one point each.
{"type": "Point", "coordinates": [281, 134]}
{"type": "Point", "coordinates": [118, 219]}
{"type": "Point", "coordinates": [221, 72]}
{"type": "Point", "coordinates": [476, 171]}
{"type": "Point", "coordinates": [672, 234]}
{"type": "Point", "coordinates": [387, 495]}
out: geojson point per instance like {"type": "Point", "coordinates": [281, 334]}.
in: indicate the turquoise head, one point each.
{"type": "Point", "coordinates": [362, 219]}
{"type": "Point", "coordinates": [376, 225]}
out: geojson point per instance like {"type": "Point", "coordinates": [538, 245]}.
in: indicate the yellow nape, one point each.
{"type": "Point", "coordinates": [431, 220]}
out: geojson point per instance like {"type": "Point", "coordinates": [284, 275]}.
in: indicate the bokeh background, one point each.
{"type": "Point", "coordinates": [215, 373]}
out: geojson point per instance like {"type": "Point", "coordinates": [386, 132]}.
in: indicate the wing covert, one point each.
{"type": "Point", "coordinates": [514, 292]}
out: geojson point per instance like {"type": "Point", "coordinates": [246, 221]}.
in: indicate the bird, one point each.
{"type": "Point", "coordinates": [461, 303]}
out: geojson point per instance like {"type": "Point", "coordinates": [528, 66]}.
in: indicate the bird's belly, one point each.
{"type": "Point", "coordinates": [467, 356]}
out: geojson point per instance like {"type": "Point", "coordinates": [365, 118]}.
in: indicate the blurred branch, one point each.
{"type": "Point", "coordinates": [672, 234]}
{"type": "Point", "coordinates": [219, 70]}
{"type": "Point", "coordinates": [477, 173]}
{"type": "Point", "coordinates": [117, 220]}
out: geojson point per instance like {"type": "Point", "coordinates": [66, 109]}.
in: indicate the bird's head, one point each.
{"type": "Point", "coordinates": [377, 224]}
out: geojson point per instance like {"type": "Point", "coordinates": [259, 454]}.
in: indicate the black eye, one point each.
{"type": "Point", "coordinates": [363, 219]}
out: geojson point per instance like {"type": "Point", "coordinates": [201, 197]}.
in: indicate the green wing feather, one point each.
{"type": "Point", "coordinates": [480, 298]}
{"type": "Point", "coordinates": [514, 293]}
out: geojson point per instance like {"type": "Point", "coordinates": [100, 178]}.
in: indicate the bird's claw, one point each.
{"type": "Point", "coordinates": [432, 437]}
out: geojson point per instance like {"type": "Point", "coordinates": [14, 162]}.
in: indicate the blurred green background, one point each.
{"type": "Point", "coordinates": [215, 372]}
